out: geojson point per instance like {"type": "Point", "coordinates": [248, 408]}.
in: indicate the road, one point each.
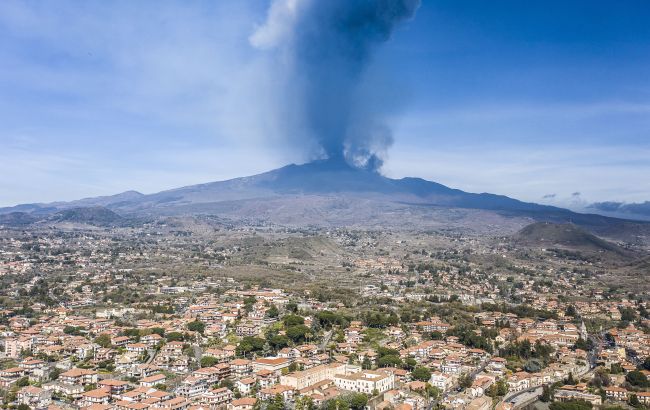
{"type": "Point", "coordinates": [326, 340]}
{"type": "Point", "coordinates": [524, 397]}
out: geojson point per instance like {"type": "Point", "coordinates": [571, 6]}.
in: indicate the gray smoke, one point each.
{"type": "Point", "coordinates": [323, 48]}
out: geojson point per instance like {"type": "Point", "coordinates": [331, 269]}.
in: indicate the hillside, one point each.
{"type": "Point", "coordinates": [95, 215]}
{"type": "Point", "coordinates": [566, 236]}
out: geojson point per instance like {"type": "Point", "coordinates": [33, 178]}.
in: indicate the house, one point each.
{"type": "Point", "coordinates": [151, 340]}
{"type": "Point", "coordinates": [12, 374]}
{"type": "Point", "coordinates": [210, 374]}
{"type": "Point", "coordinates": [245, 385]}
{"type": "Point", "coordinates": [114, 387]}
{"type": "Point", "coordinates": [267, 378]}
{"type": "Point", "coordinates": [119, 341]}
{"type": "Point", "coordinates": [153, 380]}
{"type": "Point", "coordinates": [366, 381]}
{"type": "Point", "coordinates": [290, 353]}
{"type": "Point", "coordinates": [71, 390]}
{"type": "Point", "coordinates": [247, 329]}
{"type": "Point", "coordinates": [245, 403]}
{"type": "Point", "coordinates": [192, 386]}
{"type": "Point", "coordinates": [442, 381]}
{"type": "Point", "coordinates": [616, 393]}
{"type": "Point", "coordinates": [479, 403]}
{"type": "Point", "coordinates": [137, 348]}
{"type": "Point", "coordinates": [241, 367]}
{"type": "Point", "coordinates": [519, 381]}
{"type": "Point", "coordinates": [571, 393]}
{"type": "Point", "coordinates": [497, 364]}
{"type": "Point", "coordinates": [285, 391]}
{"type": "Point", "coordinates": [216, 398]}
{"type": "Point", "coordinates": [34, 397]}
{"type": "Point", "coordinates": [172, 349]}
{"type": "Point", "coordinates": [274, 364]}
{"type": "Point", "coordinates": [480, 385]}
{"type": "Point", "coordinates": [177, 403]}
{"type": "Point", "coordinates": [78, 376]}
{"type": "Point", "coordinates": [221, 355]}
{"type": "Point", "coordinates": [94, 397]}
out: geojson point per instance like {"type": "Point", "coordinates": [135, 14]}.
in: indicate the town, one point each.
{"type": "Point", "coordinates": [241, 317]}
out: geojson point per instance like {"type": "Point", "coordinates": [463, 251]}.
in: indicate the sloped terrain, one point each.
{"type": "Point", "coordinates": [332, 193]}
{"type": "Point", "coordinates": [569, 237]}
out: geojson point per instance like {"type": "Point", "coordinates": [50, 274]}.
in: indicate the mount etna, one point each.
{"type": "Point", "coordinates": [326, 193]}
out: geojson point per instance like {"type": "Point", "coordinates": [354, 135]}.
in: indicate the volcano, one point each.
{"type": "Point", "coordinates": [332, 193]}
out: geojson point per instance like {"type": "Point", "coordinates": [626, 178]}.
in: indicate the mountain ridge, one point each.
{"type": "Point", "coordinates": [332, 193]}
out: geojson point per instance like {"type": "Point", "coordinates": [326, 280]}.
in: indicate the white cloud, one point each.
{"type": "Point", "coordinates": [527, 172]}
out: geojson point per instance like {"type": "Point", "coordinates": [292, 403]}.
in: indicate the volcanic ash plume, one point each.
{"type": "Point", "coordinates": [323, 47]}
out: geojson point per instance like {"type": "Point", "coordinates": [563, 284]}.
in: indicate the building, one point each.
{"type": "Point", "coordinates": [245, 403]}
{"type": "Point", "coordinates": [78, 376]}
{"type": "Point", "coordinates": [274, 364]}
{"type": "Point", "coordinates": [367, 381]}
{"type": "Point", "coordinates": [300, 380]}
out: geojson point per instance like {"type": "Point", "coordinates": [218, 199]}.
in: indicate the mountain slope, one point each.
{"type": "Point", "coordinates": [332, 193]}
{"type": "Point", "coordinates": [93, 215]}
{"type": "Point", "coordinates": [568, 239]}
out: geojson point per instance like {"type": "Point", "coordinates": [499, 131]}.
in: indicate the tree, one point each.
{"type": "Point", "coordinates": [336, 404]}
{"type": "Point", "coordinates": [71, 330]}
{"type": "Point", "coordinates": [358, 401]}
{"type": "Point", "coordinates": [627, 314]}
{"type": "Point", "coordinates": [208, 361]}
{"type": "Point", "coordinates": [304, 403]}
{"type": "Point", "coordinates": [636, 378]}
{"type": "Point", "coordinates": [533, 366]}
{"type": "Point", "coordinates": [547, 394]}
{"type": "Point", "coordinates": [366, 364]}
{"type": "Point", "coordinates": [436, 335]}
{"type": "Point", "coordinates": [276, 403]}
{"type": "Point", "coordinates": [570, 380]}
{"type": "Point", "coordinates": [196, 326]}
{"type": "Point", "coordinates": [22, 382]}
{"type": "Point", "coordinates": [498, 389]}
{"type": "Point", "coordinates": [410, 363]}
{"type": "Point", "coordinates": [421, 373]}
{"type": "Point", "coordinates": [601, 378]}
{"type": "Point", "coordinates": [54, 374]}
{"type": "Point", "coordinates": [250, 344]}
{"type": "Point", "coordinates": [175, 337]}
{"type": "Point", "coordinates": [465, 381]}
{"type": "Point", "coordinates": [279, 341]}
{"type": "Point", "coordinates": [389, 361]}
{"type": "Point", "coordinates": [273, 312]}
{"type": "Point", "coordinates": [159, 331]}
{"type": "Point", "coordinates": [581, 344]}
{"type": "Point", "coordinates": [646, 363]}
{"type": "Point", "coordinates": [298, 333]}
{"type": "Point", "coordinates": [293, 320]}
{"type": "Point", "coordinates": [634, 401]}
{"type": "Point", "coordinates": [432, 392]}
{"type": "Point", "coordinates": [571, 311]}
{"type": "Point", "coordinates": [104, 340]}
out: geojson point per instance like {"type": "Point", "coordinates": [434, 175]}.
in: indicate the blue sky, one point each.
{"type": "Point", "coordinates": [529, 99]}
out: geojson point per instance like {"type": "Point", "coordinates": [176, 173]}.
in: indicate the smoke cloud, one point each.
{"type": "Point", "coordinates": [322, 48]}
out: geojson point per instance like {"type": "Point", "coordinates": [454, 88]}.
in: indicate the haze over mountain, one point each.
{"type": "Point", "coordinates": [622, 210]}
